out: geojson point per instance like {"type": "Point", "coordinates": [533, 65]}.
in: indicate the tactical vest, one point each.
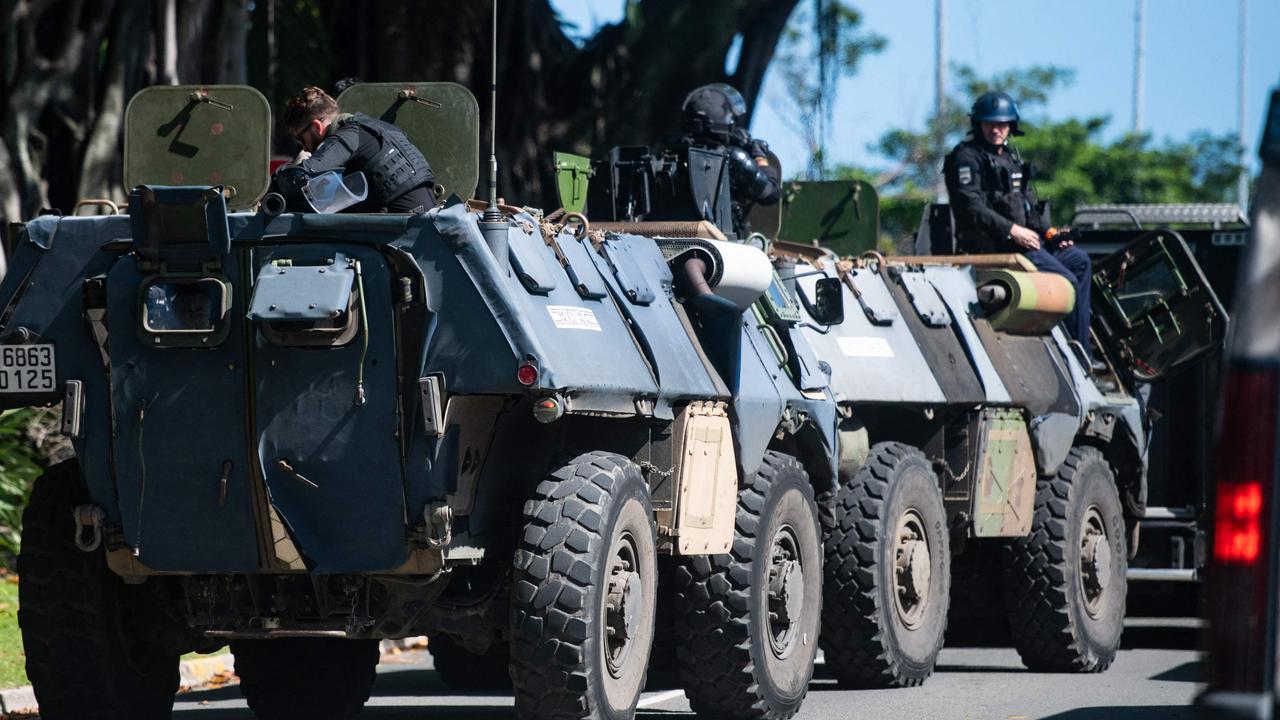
{"type": "Point", "coordinates": [1005, 186]}
{"type": "Point", "coordinates": [398, 166]}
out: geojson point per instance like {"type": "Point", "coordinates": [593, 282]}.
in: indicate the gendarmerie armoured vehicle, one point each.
{"type": "Point", "coordinates": [983, 468]}
{"type": "Point", "coordinates": [301, 433]}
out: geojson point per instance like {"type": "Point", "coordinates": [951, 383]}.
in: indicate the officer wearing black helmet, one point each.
{"type": "Point", "coordinates": [995, 210]}
{"type": "Point", "coordinates": [712, 114]}
{"type": "Point", "coordinates": [398, 175]}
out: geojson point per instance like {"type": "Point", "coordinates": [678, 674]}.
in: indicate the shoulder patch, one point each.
{"type": "Point", "coordinates": [965, 175]}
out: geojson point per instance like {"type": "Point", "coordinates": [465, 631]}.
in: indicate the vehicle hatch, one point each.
{"type": "Point", "coordinates": [1154, 311]}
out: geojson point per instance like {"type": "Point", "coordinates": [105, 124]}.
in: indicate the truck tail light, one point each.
{"type": "Point", "coordinates": [1242, 558]}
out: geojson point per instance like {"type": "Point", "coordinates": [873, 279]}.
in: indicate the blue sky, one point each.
{"type": "Point", "coordinates": [1191, 65]}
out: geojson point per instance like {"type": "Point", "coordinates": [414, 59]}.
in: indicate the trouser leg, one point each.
{"type": "Point", "coordinates": [1073, 264]}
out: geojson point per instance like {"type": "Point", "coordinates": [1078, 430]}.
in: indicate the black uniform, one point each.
{"type": "Point", "coordinates": [750, 183]}
{"type": "Point", "coordinates": [989, 194]}
{"type": "Point", "coordinates": [399, 177]}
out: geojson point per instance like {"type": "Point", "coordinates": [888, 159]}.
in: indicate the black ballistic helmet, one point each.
{"type": "Point", "coordinates": [994, 106]}
{"type": "Point", "coordinates": [713, 111]}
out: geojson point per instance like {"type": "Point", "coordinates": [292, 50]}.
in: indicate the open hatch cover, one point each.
{"type": "Point", "coordinates": [1153, 307]}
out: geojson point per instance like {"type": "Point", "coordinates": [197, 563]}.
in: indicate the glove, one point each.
{"type": "Point", "coordinates": [759, 149]}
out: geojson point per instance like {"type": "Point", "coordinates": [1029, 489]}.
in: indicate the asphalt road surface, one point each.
{"type": "Point", "coordinates": [1154, 678]}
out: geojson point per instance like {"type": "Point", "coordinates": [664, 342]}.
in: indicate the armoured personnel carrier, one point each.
{"type": "Point", "coordinates": [301, 433]}
{"type": "Point", "coordinates": [981, 461]}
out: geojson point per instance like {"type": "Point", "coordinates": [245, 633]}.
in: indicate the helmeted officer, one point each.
{"type": "Point", "coordinates": [712, 117]}
{"type": "Point", "coordinates": [995, 210]}
{"type": "Point", "coordinates": [398, 175]}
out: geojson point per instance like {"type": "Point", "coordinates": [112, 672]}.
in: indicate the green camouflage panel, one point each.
{"type": "Point", "coordinates": [200, 135]}
{"type": "Point", "coordinates": [441, 118]}
{"type": "Point", "coordinates": [1006, 476]}
{"type": "Point", "coordinates": [843, 215]}
{"type": "Point", "coordinates": [572, 174]}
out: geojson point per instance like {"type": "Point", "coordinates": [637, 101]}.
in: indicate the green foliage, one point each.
{"type": "Point", "coordinates": [21, 461]}
{"type": "Point", "coordinates": [811, 69]}
{"type": "Point", "coordinates": [304, 53]}
{"type": "Point", "coordinates": [13, 662]}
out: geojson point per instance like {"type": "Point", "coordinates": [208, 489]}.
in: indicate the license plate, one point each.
{"type": "Point", "coordinates": [27, 369]}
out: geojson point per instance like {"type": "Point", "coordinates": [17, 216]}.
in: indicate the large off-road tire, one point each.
{"type": "Point", "coordinates": [465, 671]}
{"type": "Point", "coordinates": [1065, 583]}
{"type": "Point", "coordinates": [887, 572]}
{"type": "Point", "coordinates": [585, 586]}
{"type": "Point", "coordinates": [93, 643]}
{"type": "Point", "coordinates": [321, 678]}
{"type": "Point", "coordinates": [747, 621]}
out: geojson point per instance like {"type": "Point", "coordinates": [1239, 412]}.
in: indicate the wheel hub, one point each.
{"type": "Point", "coordinates": [912, 570]}
{"type": "Point", "coordinates": [786, 592]}
{"type": "Point", "coordinates": [1095, 561]}
{"type": "Point", "coordinates": [623, 602]}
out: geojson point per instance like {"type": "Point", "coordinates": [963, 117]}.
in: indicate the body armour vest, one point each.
{"type": "Point", "coordinates": [398, 166]}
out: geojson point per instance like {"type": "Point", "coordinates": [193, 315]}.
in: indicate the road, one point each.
{"type": "Point", "coordinates": [1155, 677]}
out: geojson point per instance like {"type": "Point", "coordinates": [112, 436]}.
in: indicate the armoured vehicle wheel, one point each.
{"type": "Point", "coordinates": [1065, 583]}
{"type": "Point", "coordinates": [583, 605]}
{"type": "Point", "coordinates": [327, 678]}
{"type": "Point", "coordinates": [465, 671]}
{"type": "Point", "coordinates": [84, 630]}
{"type": "Point", "coordinates": [887, 572]}
{"type": "Point", "coordinates": [747, 621]}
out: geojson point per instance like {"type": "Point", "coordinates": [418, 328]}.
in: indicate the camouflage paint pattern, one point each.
{"type": "Point", "coordinates": [1006, 476]}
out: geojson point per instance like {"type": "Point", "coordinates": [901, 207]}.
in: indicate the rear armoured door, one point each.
{"type": "Point", "coordinates": [1154, 308]}
{"type": "Point", "coordinates": [178, 404]}
{"type": "Point", "coordinates": [325, 413]}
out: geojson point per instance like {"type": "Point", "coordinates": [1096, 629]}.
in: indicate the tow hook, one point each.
{"type": "Point", "coordinates": [88, 527]}
{"type": "Point", "coordinates": [439, 517]}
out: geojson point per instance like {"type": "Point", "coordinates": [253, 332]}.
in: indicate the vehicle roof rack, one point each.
{"type": "Point", "coordinates": [1139, 214]}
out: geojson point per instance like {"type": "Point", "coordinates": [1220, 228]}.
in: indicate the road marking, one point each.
{"type": "Point", "coordinates": [660, 698]}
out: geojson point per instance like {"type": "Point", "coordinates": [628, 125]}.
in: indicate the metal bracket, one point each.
{"type": "Point", "coordinates": [431, 393]}
{"type": "Point", "coordinates": [73, 409]}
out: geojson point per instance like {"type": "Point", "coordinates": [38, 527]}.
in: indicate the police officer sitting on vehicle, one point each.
{"type": "Point", "coordinates": [398, 176]}
{"type": "Point", "coordinates": [712, 114]}
{"type": "Point", "coordinates": [995, 211]}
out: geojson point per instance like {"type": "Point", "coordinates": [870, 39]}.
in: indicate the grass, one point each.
{"type": "Point", "coordinates": [13, 671]}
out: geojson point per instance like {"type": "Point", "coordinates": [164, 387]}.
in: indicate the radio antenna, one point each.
{"type": "Point", "coordinates": [493, 115]}
{"type": "Point", "coordinates": [492, 224]}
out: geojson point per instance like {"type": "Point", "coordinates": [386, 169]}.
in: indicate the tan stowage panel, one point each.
{"type": "Point", "coordinates": [1006, 476]}
{"type": "Point", "coordinates": [706, 480]}
{"type": "Point", "coordinates": [200, 135]}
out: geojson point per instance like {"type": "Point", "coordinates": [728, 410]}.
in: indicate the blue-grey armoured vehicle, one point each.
{"type": "Point", "coordinates": [987, 470]}
{"type": "Point", "coordinates": [298, 434]}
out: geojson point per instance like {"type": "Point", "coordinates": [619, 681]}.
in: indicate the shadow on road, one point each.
{"type": "Point", "coordinates": [1138, 712]}
{"type": "Point", "coordinates": [415, 691]}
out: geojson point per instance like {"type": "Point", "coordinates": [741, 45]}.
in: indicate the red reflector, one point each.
{"type": "Point", "coordinates": [1242, 532]}
{"type": "Point", "coordinates": [1245, 459]}
{"type": "Point", "coordinates": [527, 374]}
{"type": "Point", "coordinates": [1238, 538]}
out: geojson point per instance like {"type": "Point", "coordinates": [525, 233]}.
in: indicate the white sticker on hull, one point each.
{"type": "Point", "coordinates": [569, 317]}
{"type": "Point", "coordinates": [866, 347]}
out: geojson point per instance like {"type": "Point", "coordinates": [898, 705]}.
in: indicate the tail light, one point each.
{"type": "Point", "coordinates": [1242, 556]}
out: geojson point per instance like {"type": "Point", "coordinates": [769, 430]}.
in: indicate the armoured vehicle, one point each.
{"type": "Point", "coordinates": [1173, 550]}
{"type": "Point", "coordinates": [301, 433]}
{"type": "Point", "coordinates": [981, 462]}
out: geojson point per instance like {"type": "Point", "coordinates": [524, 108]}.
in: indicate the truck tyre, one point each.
{"type": "Point", "coordinates": [747, 621]}
{"type": "Point", "coordinates": [465, 671]}
{"type": "Point", "coordinates": [90, 639]}
{"type": "Point", "coordinates": [887, 572]}
{"type": "Point", "coordinates": [1065, 583]}
{"type": "Point", "coordinates": [585, 586]}
{"type": "Point", "coordinates": [325, 678]}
